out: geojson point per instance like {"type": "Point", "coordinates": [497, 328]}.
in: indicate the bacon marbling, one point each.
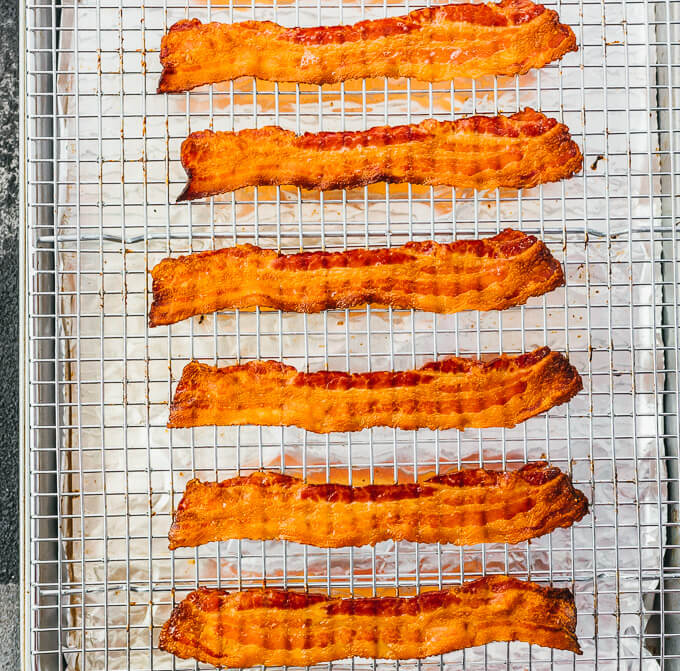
{"type": "Point", "coordinates": [432, 44]}
{"type": "Point", "coordinates": [452, 393]}
{"type": "Point", "coordinates": [286, 628]}
{"type": "Point", "coordinates": [476, 152]}
{"type": "Point", "coordinates": [490, 274]}
{"type": "Point", "coordinates": [463, 507]}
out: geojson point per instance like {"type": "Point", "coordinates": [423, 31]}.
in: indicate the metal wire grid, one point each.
{"type": "Point", "coordinates": [100, 157]}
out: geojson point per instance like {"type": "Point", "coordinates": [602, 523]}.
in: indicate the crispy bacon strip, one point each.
{"type": "Point", "coordinates": [477, 152]}
{"type": "Point", "coordinates": [453, 393]}
{"type": "Point", "coordinates": [464, 507]}
{"type": "Point", "coordinates": [279, 627]}
{"type": "Point", "coordinates": [434, 44]}
{"type": "Point", "coordinates": [490, 274]}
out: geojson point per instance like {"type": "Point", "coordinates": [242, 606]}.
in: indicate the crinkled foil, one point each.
{"type": "Point", "coordinates": [124, 472]}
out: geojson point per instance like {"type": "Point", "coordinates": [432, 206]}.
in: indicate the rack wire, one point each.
{"type": "Point", "coordinates": [102, 473]}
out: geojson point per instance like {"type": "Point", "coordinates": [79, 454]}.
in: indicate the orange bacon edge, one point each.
{"type": "Point", "coordinates": [433, 44]}
{"type": "Point", "coordinates": [490, 274]}
{"type": "Point", "coordinates": [276, 627]}
{"type": "Point", "coordinates": [452, 393]}
{"type": "Point", "coordinates": [465, 507]}
{"type": "Point", "coordinates": [476, 152]}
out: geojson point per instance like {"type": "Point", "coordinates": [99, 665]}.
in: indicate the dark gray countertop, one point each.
{"type": "Point", "coordinates": [9, 343]}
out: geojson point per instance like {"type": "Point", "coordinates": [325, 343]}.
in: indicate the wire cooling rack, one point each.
{"type": "Point", "coordinates": [102, 473]}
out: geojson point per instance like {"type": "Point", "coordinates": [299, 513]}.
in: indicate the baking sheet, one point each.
{"type": "Point", "coordinates": [123, 471]}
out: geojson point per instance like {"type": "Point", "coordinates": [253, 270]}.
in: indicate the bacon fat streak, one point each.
{"type": "Point", "coordinates": [463, 507]}
{"type": "Point", "coordinates": [279, 627]}
{"type": "Point", "coordinates": [477, 152]}
{"type": "Point", "coordinates": [433, 44]}
{"type": "Point", "coordinates": [453, 393]}
{"type": "Point", "coordinates": [489, 274]}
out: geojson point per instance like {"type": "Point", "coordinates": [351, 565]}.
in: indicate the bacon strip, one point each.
{"type": "Point", "coordinates": [279, 627]}
{"type": "Point", "coordinates": [476, 152]}
{"type": "Point", "coordinates": [490, 274]}
{"type": "Point", "coordinates": [453, 393]}
{"type": "Point", "coordinates": [434, 44]}
{"type": "Point", "coordinates": [464, 507]}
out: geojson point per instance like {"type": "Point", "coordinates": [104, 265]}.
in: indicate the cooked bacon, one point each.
{"type": "Point", "coordinates": [489, 274]}
{"type": "Point", "coordinates": [276, 627]}
{"type": "Point", "coordinates": [433, 44]}
{"type": "Point", "coordinates": [464, 507]}
{"type": "Point", "coordinates": [453, 393]}
{"type": "Point", "coordinates": [477, 152]}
